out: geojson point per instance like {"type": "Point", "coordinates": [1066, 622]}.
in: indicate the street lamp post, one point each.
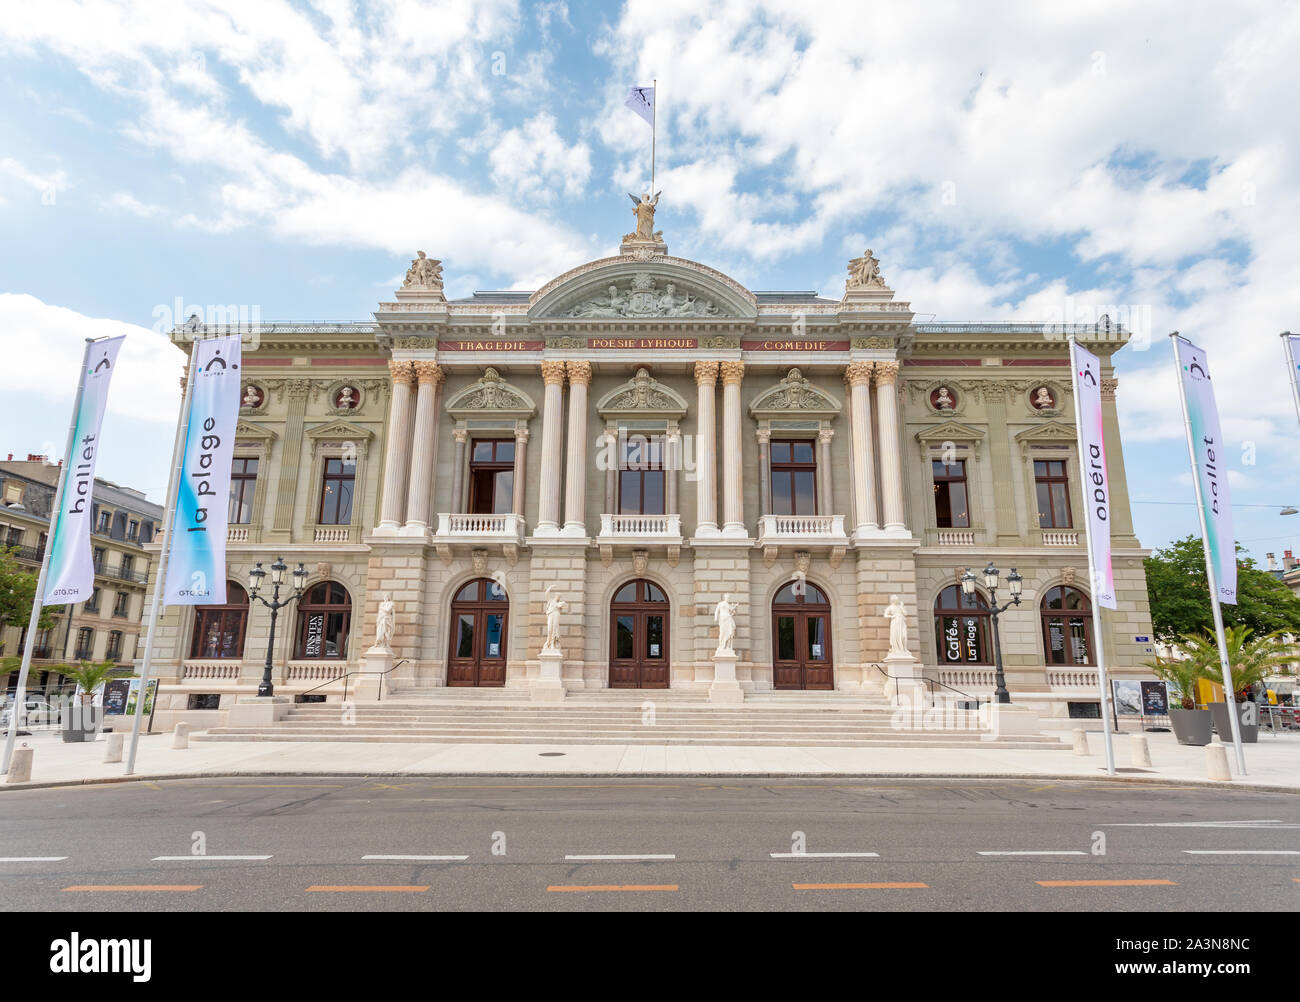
{"type": "Point", "coordinates": [255, 576]}
{"type": "Point", "coordinates": [1014, 584]}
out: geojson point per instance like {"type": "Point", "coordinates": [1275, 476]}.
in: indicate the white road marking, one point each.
{"type": "Point", "coordinates": [825, 855]}
{"type": "Point", "coordinates": [624, 857]}
{"type": "Point", "coordinates": [32, 859]}
{"type": "Point", "coordinates": [1203, 824]}
{"type": "Point", "coordinates": [200, 859]}
{"type": "Point", "coordinates": [1033, 852]}
{"type": "Point", "coordinates": [419, 859]}
{"type": "Point", "coordinates": [1242, 852]}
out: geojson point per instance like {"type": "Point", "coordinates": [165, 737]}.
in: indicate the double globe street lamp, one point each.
{"type": "Point", "coordinates": [1014, 585]}
{"type": "Point", "coordinates": [255, 577]}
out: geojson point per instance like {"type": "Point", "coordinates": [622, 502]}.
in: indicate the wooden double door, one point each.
{"type": "Point", "coordinates": [638, 643]}
{"type": "Point", "coordinates": [479, 616]}
{"type": "Point", "coordinates": [801, 638]}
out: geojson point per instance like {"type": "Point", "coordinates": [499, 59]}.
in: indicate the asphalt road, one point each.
{"type": "Point", "coordinates": [879, 845]}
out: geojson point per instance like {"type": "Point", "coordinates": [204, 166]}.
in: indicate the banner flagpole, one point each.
{"type": "Point", "coordinates": [1291, 367]}
{"type": "Point", "coordinates": [1229, 693]}
{"type": "Point", "coordinates": [169, 518]}
{"type": "Point", "coordinates": [38, 600]}
{"type": "Point", "coordinates": [1098, 642]}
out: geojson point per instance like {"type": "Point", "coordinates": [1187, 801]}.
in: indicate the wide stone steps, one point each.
{"type": "Point", "coordinates": [862, 723]}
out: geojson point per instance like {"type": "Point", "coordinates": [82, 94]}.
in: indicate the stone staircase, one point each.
{"type": "Point", "coordinates": [504, 716]}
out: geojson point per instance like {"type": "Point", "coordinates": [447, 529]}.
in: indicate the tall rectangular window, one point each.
{"type": "Point", "coordinates": [120, 604]}
{"type": "Point", "coordinates": [641, 475]}
{"type": "Point", "coordinates": [243, 482]}
{"type": "Point", "coordinates": [794, 477]}
{"type": "Point", "coordinates": [99, 559]}
{"type": "Point", "coordinates": [132, 530]}
{"type": "Point", "coordinates": [491, 476]}
{"type": "Point", "coordinates": [951, 509]}
{"type": "Point", "coordinates": [114, 650]}
{"type": "Point", "coordinates": [85, 644]}
{"type": "Point", "coordinates": [1053, 487]}
{"type": "Point", "coordinates": [336, 492]}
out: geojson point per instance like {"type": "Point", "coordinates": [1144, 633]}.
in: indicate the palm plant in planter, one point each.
{"type": "Point", "coordinates": [1251, 661]}
{"type": "Point", "coordinates": [1191, 726]}
{"type": "Point", "coordinates": [82, 723]}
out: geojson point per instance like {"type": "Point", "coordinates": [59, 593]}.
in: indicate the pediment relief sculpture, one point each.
{"type": "Point", "coordinates": [643, 297]}
{"type": "Point", "coordinates": [795, 394]}
{"type": "Point", "coordinates": [492, 393]}
{"type": "Point", "coordinates": [642, 395]}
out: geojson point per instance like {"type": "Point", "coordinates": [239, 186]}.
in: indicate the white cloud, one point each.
{"type": "Point", "coordinates": [534, 162]}
{"type": "Point", "coordinates": [53, 181]}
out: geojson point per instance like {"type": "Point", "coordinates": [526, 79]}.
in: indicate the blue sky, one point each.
{"type": "Point", "coordinates": [1049, 163]}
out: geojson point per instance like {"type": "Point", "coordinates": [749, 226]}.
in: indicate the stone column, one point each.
{"type": "Point", "coordinates": [398, 457]}
{"type": "Point", "coordinates": [824, 469]}
{"type": "Point", "coordinates": [420, 494]}
{"type": "Point", "coordinates": [1005, 515]}
{"type": "Point", "coordinates": [891, 462]}
{"type": "Point", "coordinates": [706, 516]}
{"type": "Point", "coordinates": [295, 395]}
{"type": "Point", "coordinates": [733, 512]}
{"type": "Point", "coordinates": [764, 471]}
{"type": "Point", "coordinates": [575, 482]}
{"type": "Point", "coordinates": [548, 509]}
{"type": "Point", "coordinates": [672, 461]}
{"type": "Point", "coordinates": [521, 469]}
{"type": "Point", "coordinates": [1121, 513]}
{"type": "Point", "coordinates": [461, 435]}
{"type": "Point", "coordinates": [864, 465]}
{"type": "Point", "coordinates": [610, 439]}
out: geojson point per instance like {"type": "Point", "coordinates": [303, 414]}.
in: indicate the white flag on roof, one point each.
{"type": "Point", "coordinates": [642, 101]}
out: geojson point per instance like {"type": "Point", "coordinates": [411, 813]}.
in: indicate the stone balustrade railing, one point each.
{"type": "Point", "coordinates": [956, 537]}
{"type": "Point", "coordinates": [507, 525]}
{"type": "Point", "coordinates": [217, 669]}
{"type": "Point", "coordinates": [961, 678]}
{"type": "Point", "coordinates": [315, 671]}
{"type": "Point", "coordinates": [801, 526]}
{"type": "Point", "coordinates": [1072, 678]}
{"type": "Point", "coordinates": [640, 525]}
{"type": "Point", "coordinates": [1057, 538]}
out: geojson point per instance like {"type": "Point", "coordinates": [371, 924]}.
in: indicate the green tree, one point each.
{"type": "Point", "coordinates": [1180, 596]}
{"type": "Point", "coordinates": [17, 589]}
{"type": "Point", "coordinates": [1251, 661]}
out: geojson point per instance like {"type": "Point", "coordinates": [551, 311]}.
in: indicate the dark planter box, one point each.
{"type": "Point", "coordinates": [1191, 727]}
{"type": "Point", "coordinates": [82, 723]}
{"type": "Point", "coordinates": [1223, 723]}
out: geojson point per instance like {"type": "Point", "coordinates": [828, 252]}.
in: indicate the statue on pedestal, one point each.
{"type": "Point", "coordinates": [864, 272]}
{"type": "Point", "coordinates": [645, 217]}
{"type": "Point", "coordinates": [554, 606]}
{"type": "Point", "coordinates": [423, 273]}
{"type": "Point", "coordinates": [724, 614]}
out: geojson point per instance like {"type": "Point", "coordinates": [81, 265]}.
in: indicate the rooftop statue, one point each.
{"type": "Point", "coordinates": [424, 273]}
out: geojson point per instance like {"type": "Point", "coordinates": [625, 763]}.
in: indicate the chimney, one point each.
{"type": "Point", "coordinates": [1288, 561]}
{"type": "Point", "coordinates": [1272, 561]}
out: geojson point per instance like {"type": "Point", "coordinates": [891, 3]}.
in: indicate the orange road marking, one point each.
{"type": "Point", "coordinates": [413, 888]}
{"type": "Point", "coordinates": [854, 887]}
{"type": "Point", "coordinates": [1106, 883]}
{"type": "Point", "coordinates": [612, 887]}
{"type": "Point", "coordinates": [134, 887]}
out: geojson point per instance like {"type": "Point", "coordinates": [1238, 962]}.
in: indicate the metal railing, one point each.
{"type": "Point", "coordinates": [932, 683]}
{"type": "Point", "coordinates": [348, 675]}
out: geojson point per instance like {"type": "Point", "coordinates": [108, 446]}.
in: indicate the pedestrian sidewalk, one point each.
{"type": "Point", "coordinates": [1272, 763]}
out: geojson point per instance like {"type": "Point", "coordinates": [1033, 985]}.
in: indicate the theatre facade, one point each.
{"type": "Point", "coordinates": [634, 441]}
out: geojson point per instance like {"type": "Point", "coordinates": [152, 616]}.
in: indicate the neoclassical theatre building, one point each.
{"type": "Point", "coordinates": [639, 438]}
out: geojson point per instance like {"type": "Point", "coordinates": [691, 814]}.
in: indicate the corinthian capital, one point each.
{"type": "Point", "coordinates": [706, 373]}
{"type": "Point", "coordinates": [401, 372]}
{"type": "Point", "coordinates": [553, 372]}
{"type": "Point", "coordinates": [886, 373]}
{"type": "Point", "coordinates": [1108, 387]}
{"type": "Point", "coordinates": [579, 373]}
{"type": "Point", "coordinates": [732, 373]}
{"type": "Point", "coordinates": [428, 372]}
{"type": "Point", "coordinates": [859, 373]}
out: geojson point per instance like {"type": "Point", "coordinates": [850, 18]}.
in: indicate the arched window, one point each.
{"type": "Point", "coordinates": [219, 629]}
{"type": "Point", "coordinates": [961, 628]}
{"type": "Point", "coordinates": [1067, 627]}
{"type": "Point", "coordinates": [324, 617]}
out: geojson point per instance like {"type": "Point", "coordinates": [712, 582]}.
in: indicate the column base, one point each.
{"type": "Point", "coordinates": [546, 529]}
{"type": "Point", "coordinates": [417, 529]}
{"type": "Point", "coordinates": [735, 530]}
{"type": "Point", "coordinates": [707, 530]}
{"type": "Point", "coordinates": [573, 530]}
{"type": "Point", "coordinates": [387, 529]}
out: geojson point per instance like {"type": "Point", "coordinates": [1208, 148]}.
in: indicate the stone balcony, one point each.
{"type": "Point", "coordinates": [640, 532]}
{"type": "Point", "coordinates": [820, 532]}
{"type": "Point", "coordinates": [474, 530]}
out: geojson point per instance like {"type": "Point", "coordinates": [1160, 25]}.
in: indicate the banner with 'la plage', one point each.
{"type": "Point", "coordinates": [196, 566]}
{"type": "Point", "coordinates": [71, 574]}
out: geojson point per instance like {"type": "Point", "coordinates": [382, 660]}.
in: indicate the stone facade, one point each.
{"type": "Point", "coordinates": [645, 347]}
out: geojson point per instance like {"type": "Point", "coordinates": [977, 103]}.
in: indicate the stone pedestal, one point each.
{"type": "Point", "coordinates": [1009, 719]}
{"type": "Point", "coordinates": [370, 688]}
{"type": "Point", "coordinates": [725, 689]}
{"type": "Point", "coordinates": [257, 711]}
{"type": "Point", "coordinates": [907, 683]}
{"type": "Point", "coordinates": [549, 687]}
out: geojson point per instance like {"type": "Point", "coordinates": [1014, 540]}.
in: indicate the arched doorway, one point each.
{"type": "Point", "coordinates": [477, 654]}
{"type": "Point", "coordinates": [801, 638]}
{"type": "Point", "coordinates": [324, 621]}
{"type": "Point", "coordinates": [219, 629]}
{"type": "Point", "coordinates": [962, 628]}
{"type": "Point", "coordinates": [638, 643]}
{"type": "Point", "coordinates": [1067, 627]}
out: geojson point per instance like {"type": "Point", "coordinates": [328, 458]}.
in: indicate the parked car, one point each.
{"type": "Point", "coordinates": [35, 712]}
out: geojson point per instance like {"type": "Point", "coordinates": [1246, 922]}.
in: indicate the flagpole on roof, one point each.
{"type": "Point", "coordinates": [654, 129]}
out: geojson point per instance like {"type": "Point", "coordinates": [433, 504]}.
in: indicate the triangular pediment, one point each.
{"type": "Point", "coordinates": [642, 396]}
{"type": "Point", "coordinates": [343, 430]}
{"type": "Point", "coordinates": [1050, 431]}
{"type": "Point", "coordinates": [949, 431]}
{"type": "Point", "coordinates": [492, 395]}
{"type": "Point", "coordinates": [794, 396]}
{"type": "Point", "coordinates": [246, 431]}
